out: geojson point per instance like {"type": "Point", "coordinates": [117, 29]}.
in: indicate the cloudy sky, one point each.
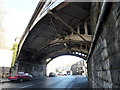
{"type": "Point", "coordinates": [64, 60]}
{"type": "Point", "coordinates": [17, 14]}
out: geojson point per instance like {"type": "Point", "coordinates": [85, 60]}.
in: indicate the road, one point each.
{"type": "Point", "coordinates": [49, 83]}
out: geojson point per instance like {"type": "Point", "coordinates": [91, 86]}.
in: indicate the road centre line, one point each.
{"type": "Point", "coordinates": [27, 86]}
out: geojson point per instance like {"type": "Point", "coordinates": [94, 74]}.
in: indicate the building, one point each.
{"type": "Point", "coordinates": [79, 68]}
{"type": "Point", "coordinates": [4, 71]}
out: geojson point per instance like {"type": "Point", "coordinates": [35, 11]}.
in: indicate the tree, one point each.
{"type": "Point", "coordinates": [15, 49]}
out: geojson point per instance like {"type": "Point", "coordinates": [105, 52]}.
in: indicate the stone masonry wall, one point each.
{"type": "Point", "coordinates": [33, 69]}
{"type": "Point", "coordinates": [104, 63]}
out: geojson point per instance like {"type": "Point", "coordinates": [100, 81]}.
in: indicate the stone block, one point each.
{"type": "Point", "coordinates": [104, 54]}
{"type": "Point", "coordinates": [112, 47]}
{"type": "Point", "coordinates": [96, 86]}
{"type": "Point", "coordinates": [116, 10]}
{"type": "Point", "coordinates": [98, 60]}
{"type": "Point", "coordinates": [105, 65]}
{"type": "Point", "coordinates": [107, 85]}
{"type": "Point", "coordinates": [99, 82]}
{"type": "Point", "coordinates": [114, 61]}
{"type": "Point", "coordinates": [99, 67]}
{"type": "Point", "coordinates": [106, 76]}
{"type": "Point", "coordinates": [115, 87]}
{"type": "Point", "coordinates": [115, 77]}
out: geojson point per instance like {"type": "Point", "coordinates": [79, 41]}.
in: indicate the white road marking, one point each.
{"type": "Point", "coordinates": [27, 86]}
{"type": "Point", "coordinates": [70, 86]}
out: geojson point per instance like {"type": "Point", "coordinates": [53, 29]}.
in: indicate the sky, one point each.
{"type": "Point", "coordinates": [63, 60]}
{"type": "Point", "coordinates": [5, 58]}
{"type": "Point", "coordinates": [17, 14]}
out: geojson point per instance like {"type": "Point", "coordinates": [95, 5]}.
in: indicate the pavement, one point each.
{"type": "Point", "coordinates": [2, 80]}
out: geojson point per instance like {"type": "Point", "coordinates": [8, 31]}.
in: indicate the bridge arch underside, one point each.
{"type": "Point", "coordinates": [65, 30]}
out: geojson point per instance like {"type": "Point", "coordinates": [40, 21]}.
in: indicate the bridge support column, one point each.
{"type": "Point", "coordinates": [104, 61]}
{"type": "Point", "coordinates": [34, 69]}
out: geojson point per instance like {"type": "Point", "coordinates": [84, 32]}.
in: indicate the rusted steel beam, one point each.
{"type": "Point", "coordinates": [71, 16]}
{"type": "Point", "coordinates": [52, 44]}
{"type": "Point", "coordinates": [55, 27]}
{"type": "Point", "coordinates": [62, 5]}
{"type": "Point", "coordinates": [58, 18]}
{"type": "Point", "coordinates": [62, 51]}
{"type": "Point", "coordinates": [84, 9]}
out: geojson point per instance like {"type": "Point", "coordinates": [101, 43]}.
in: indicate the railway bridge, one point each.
{"type": "Point", "coordinates": [89, 30]}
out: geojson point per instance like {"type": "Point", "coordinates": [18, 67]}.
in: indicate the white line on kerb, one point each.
{"type": "Point", "coordinates": [27, 86]}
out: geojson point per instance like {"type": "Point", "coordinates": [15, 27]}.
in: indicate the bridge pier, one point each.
{"type": "Point", "coordinates": [103, 64]}
{"type": "Point", "coordinates": [31, 68]}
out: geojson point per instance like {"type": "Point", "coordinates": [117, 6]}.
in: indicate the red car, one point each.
{"type": "Point", "coordinates": [20, 76]}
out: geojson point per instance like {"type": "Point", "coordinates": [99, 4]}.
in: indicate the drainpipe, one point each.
{"type": "Point", "coordinates": [102, 17]}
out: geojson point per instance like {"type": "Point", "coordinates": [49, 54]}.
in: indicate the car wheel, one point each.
{"type": "Point", "coordinates": [30, 79]}
{"type": "Point", "coordinates": [20, 80]}
{"type": "Point", "coordinates": [11, 80]}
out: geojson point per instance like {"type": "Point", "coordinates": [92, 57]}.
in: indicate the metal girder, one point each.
{"type": "Point", "coordinates": [26, 48]}
{"type": "Point", "coordinates": [62, 5]}
{"type": "Point", "coordinates": [71, 16]}
{"type": "Point", "coordinates": [55, 27]}
{"type": "Point", "coordinates": [52, 44]}
{"type": "Point", "coordinates": [57, 17]}
{"type": "Point", "coordinates": [82, 8]}
{"type": "Point", "coordinates": [73, 38]}
{"type": "Point", "coordinates": [85, 27]}
{"type": "Point", "coordinates": [56, 53]}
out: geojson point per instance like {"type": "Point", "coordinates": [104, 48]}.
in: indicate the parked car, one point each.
{"type": "Point", "coordinates": [20, 76]}
{"type": "Point", "coordinates": [51, 74]}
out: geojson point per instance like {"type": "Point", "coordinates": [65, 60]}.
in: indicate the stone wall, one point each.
{"type": "Point", "coordinates": [104, 63]}
{"type": "Point", "coordinates": [33, 69]}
